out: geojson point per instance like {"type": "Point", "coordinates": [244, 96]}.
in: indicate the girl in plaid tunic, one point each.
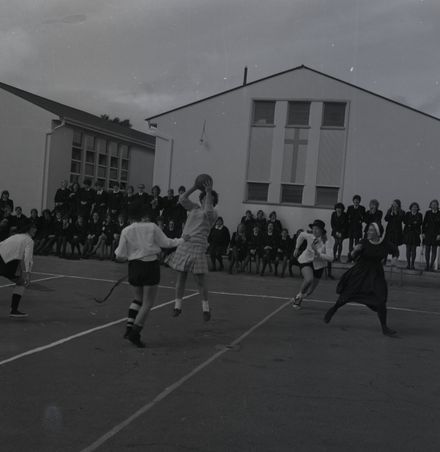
{"type": "Point", "coordinates": [190, 257]}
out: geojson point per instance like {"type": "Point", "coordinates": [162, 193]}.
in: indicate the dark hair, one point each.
{"type": "Point", "coordinates": [414, 204]}
{"type": "Point", "coordinates": [88, 182]}
{"type": "Point", "coordinates": [45, 211]}
{"type": "Point", "coordinates": [182, 187]}
{"type": "Point", "coordinates": [4, 192]}
{"type": "Point", "coordinates": [398, 202]}
{"type": "Point", "coordinates": [375, 202]}
{"type": "Point", "coordinates": [339, 205]}
{"type": "Point", "coordinates": [19, 207]}
{"type": "Point", "coordinates": [357, 197]}
{"type": "Point", "coordinates": [137, 212]}
{"type": "Point", "coordinates": [157, 188]}
{"type": "Point", "coordinates": [433, 201]}
{"type": "Point", "coordinates": [285, 229]}
{"type": "Point", "coordinates": [34, 210]}
{"type": "Point", "coordinates": [214, 196]}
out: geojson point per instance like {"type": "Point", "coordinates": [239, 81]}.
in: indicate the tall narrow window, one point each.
{"type": "Point", "coordinates": [298, 114]}
{"type": "Point", "coordinates": [264, 113]}
{"type": "Point", "coordinates": [333, 114]}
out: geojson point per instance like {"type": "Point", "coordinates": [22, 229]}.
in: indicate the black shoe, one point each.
{"type": "Point", "coordinates": [329, 315]}
{"type": "Point", "coordinates": [176, 312]}
{"type": "Point", "coordinates": [206, 316]}
{"type": "Point", "coordinates": [135, 338]}
{"type": "Point", "coordinates": [16, 314]}
{"type": "Point", "coordinates": [127, 332]}
{"type": "Point", "coordinates": [388, 332]}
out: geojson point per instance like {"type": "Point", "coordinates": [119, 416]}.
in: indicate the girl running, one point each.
{"type": "Point", "coordinates": [190, 257]}
{"type": "Point", "coordinates": [140, 244]}
{"type": "Point", "coordinates": [313, 260]}
{"type": "Point", "coordinates": [16, 256]}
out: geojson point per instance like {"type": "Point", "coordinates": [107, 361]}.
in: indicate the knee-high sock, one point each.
{"type": "Point", "coordinates": [132, 312]}
{"type": "Point", "coordinates": [16, 297]}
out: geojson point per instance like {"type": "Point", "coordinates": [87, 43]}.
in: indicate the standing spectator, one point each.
{"type": "Point", "coordinates": [169, 204]}
{"type": "Point", "coordinates": [64, 236]}
{"type": "Point", "coordinates": [218, 240]}
{"type": "Point", "coordinates": [339, 224]}
{"type": "Point", "coordinates": [129, 200]}
{"type": "Point", "coordinates": [74, 200]}
{"type": "Point", "coordinates": [62, 198]}
{"type": "Point", "coordinates": [100, 203]}
{"type": "Point", "coordinates": [255, 248]}
{"type": "Point", "coordinates": [411, 235]}
{"type": "Point", "coordinates": [86, 199]}
{"type": "Point", "coordinates": [249, 221]}
{"type": "Point", "coordinates": [284, 250]}
{"type": "Point", "coordinates": [261, 221]}
{"type": "Point", "coordinates": [141, 198]}
{"type": "Point", "coordinates": [373, 215]}
{"type": "Point", "coordinates": [155, 203]}
{"type": "Point", "coordinates": [431, 234]}
{"type": "Point", "coordinates": [270, 246]}
{"type": "Point", "coordinates": [20, 219]}
{"type": "Point", "coordinates": [181, 214]}
{"type": "Point", "coordinates": [115, 200]}
{"type": "Point", "coordinates": [5, 201]}
{"type": "Point", "coordinates": [355, 218]}
{"type": "Point", "coordinates": [4, 230]}
{"type": "Point", "coordinates": [238, 249]}
{"type": "Point", "coordinates": [11, 219]}
{"type": "Point", "coordinates": [277, 226]}
{"type": "Point", "coordinates": [394, 219]}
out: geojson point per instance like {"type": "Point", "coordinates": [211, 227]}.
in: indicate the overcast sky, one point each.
{"type": "Point", "coordinates": [135, 58]}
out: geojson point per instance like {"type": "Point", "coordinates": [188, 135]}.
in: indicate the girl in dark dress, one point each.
{"type": "Point", "coordinates": [155, 203]}
{"type": "Point", "coordinates": [218, 240]}
{"type": "Point", "coordinates": [394, 219]}
{"type": "Point", "coordinates": [431, 234]}
{"type": "Point", "coordinates": [5, 201]}
{"type": "Point", "coordinates": [129, 200]}
{"type": "Point", "coordinates": [339, 223]}
{"type": "Point", "coordinates": [277, 226]}
{"type": "Point", "coordinates": [249, 221]}
{"type": "Point", "coordinates": [284, 250]}
{"type": "Point", "coordinates": [74, 200]}
{"type": "Point", "coordinates": [62, 198]}
{"type": "Point", "coordinates": [79, 236]}
{"type": "Point", "coordinates": [238, 249]}
{"type": "Point", "coordinates": [365, 282]}
{"type": "Point", "coordinates": [355, 218]}
{"type": "Point", "coordinates": [255, 249]}
{"type": "Point", "coordinates": [411, 235]}
{"type": "Point", "coordinates": [373, 215]}
{"type": "Point", "coordinates": [94, 231]}
{"type": "Point", "coordinates": [261, 221]}
{"type": "Point", "coordinates": [270, 246]}
{"type": "Point", "coordinates": [101, 200]}
{"type": "Point", "coordinates": [169, 204]}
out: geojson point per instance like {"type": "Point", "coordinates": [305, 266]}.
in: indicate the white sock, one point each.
{"type": "Point", "coordinates": [205, 306]}
{"type": "Point", "coordinates": [178, 303]}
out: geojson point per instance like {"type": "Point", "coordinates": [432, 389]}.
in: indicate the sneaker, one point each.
{"type": "Point", "coordinates": [135, 338]}
{"type": "Point", "coordinates": [18, 315]}
{"type": "Point", "coordinates": [206, 316]}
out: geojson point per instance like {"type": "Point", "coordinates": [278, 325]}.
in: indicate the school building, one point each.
{"type": "Point", "coordinates": [297, 142]}
{"type": "Point", "coordinates": [43, 142]}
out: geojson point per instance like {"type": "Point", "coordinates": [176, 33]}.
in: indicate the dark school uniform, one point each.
{"type": "Point", "coordinates": [355, 218]}
{"type": "Point", "coordinates": [127, 203]}
{"type": "Point", "coordinates": [431, 227]}
{"type": "Point", "coordinates": [262, 224]}
{"type": "Point", "coordinates": [169, 208]}
{"type": "Point", "coordinates": [218, 240]}
{"type": "Point", "coordinates": [239, 246]}
{"type": "Point", "coordinates": [394, 229]}
{"type": "Point", "coordinates": [255, 244]}
{"type": "Point", "coordinates": [73, 203]}
{"type": "Point", "coordinates": [4, 203]}
{"type": "Point", "coordinates": [100, 203]}
{"type": "Point", "coordinates": [115, 202]}
{"type": "Point", "coordinates": [373, 217]}
{"type": "Point", "coordinates": [413, 229]}
{"type": "Point", "coordinates": [249, 224]}
{"type": "Point", "coordinates": [62, 200]}
{"type": "Point", "coordinates": [277, 226]}
{"type": "Point", "coordinates": [79, 233]}
{"type": "Point", "coordinates": [142, 199]}
{"type": "Point", "coordinates": [284, 248]}
{"type": "Point", "coordinates": [20, 221]}
{"type": "Point", "coordinates": [270, 245]}
{"type": "Point", "coordinates": [339, 225]}
{"type": "Point", "coordinates": [94, 229]}
{"type": "Point", "coordinates": [155, 207]}
{"type": "Point", "coordinates": [86, 200]}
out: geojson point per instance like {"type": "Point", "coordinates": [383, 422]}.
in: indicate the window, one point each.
{"type": "Point", "coordinates": [75, 167]}
{"type": "Point", "coordinates": [257, 191]}
{"type": "Point", "coordinates": [114, 162]}
{"type": "Point", "coordinates": [298, 114]}
{"type": "Point", "coordinates": [333, 114]}
{"type": "Point", "coordinates": [90, 170]}
{"type": "Point", "coordinates": [113, 149]}
{"type": "Point", "coordinates": [77, 138]}
{"type": "Point", "coordinates": [326, 196]}
{"type": "Point", "coordinates": [90, 157]}
{"type": "Point", "coordinates": [123, 151]}
{"type": "Point", "coordinates": [291, 194]}
{"type": "Point", "coordinates": [102, 171]}
{"type": "Point", "coordinates": [102, 160]}
{"type": "Point", "coordinates": [76, 154]}
{"type": "Point", "coordinates": [101, 145]}
{"type": "Point", "coordinates": [264, 113]}
{"type": "Point", "coordinates": [90, 142]}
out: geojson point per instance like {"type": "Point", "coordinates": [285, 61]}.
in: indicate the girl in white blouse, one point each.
{"type": "Point", "coordinates": [313, 260]}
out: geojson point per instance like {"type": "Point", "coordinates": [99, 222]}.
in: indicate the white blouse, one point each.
{"type": "Point", "coordinates": [317, 252]}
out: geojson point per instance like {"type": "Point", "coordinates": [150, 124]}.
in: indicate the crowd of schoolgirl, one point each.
{"type": "Point", "coordinates": [87, 222]}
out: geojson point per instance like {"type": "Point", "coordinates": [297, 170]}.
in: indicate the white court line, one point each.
{"type": "Point", "coordinates": [34, 280]}
{"type": "Point", "coordinates": [77, 335]}
{"type": "Point", "coordinates": [176, 385]}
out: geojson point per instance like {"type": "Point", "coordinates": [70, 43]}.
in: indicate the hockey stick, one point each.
{"type": "Point", "coordinates": [116, 284]}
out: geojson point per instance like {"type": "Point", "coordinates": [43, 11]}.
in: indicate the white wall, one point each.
{"type": "Point", "coordinates": [141, 167]}
{"type": "Point", "coordinates": [391, 151]}
{"type": "Point", "coordinates": [23, 128]}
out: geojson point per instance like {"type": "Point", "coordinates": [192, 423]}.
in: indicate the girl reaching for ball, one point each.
{"type": "Point", "coordinates": [190, 257]}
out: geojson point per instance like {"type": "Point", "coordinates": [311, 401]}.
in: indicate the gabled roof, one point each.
{"type": "Point", "coordinates": [79, 116]}
{"type": "Point", "coordinates": [286, 72]}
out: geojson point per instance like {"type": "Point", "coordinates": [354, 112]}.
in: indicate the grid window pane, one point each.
{"type": "Point", "coordinates": [76, 154]}
{"type": "Point", "coordinates": [101, 145]}
{"type": "Point", "coordinates": [326, 196]}
{"type": "Point", "coordinates": [90, 157]}
{"type": "Point", "coordinates": [298, 114]}
{"type": "Point", "coordinates": [113, 174]}
{"type": "Point", "coordinates": [77, 137]}
{"type": "Point", "coordinates": [102, 171]}
{"type": "Point", "coordinates": [257, 191]}
{"type": "Point", "coordinates": [75, 167]}
{"type": "Point", "coordinates": [334, 114]}
{"type": "Point", "coordinates": [114, 162]}
{"type": "Point", "coordinates": [102, 160]}
{"type": "Point", "coordinates": [264, 112]}
{"type": "Point", "coordinates": [124, 175]}
{"type": "Point", "coordinates": [124, 165]}
{"type": "Point", "coordinates": [292, 194]}
{"type": "Point", "coordinates": [90, 170]}
{"type": "Point", "coordinates": [90, 142]}
{"type": "Point", "coordinates": [102, 181]}
{"type": "Point", "coordinates": [123, 151]}
{"type": "Point", "coordinates": [113, 149]}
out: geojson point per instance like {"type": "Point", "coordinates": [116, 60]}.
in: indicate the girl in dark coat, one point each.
{"type": "Point", "coordinates": [355, 218]}
{"type": "Point", "coordinates": [277, 226]}
{"type": "Point", "coordinates": [283, 253]}
{"type": "Point", "coordinates": [74, 200]}
{"type": "Point", "coordinates": [238, 249]}
{"type": "Point", "coordinates": [261, 221]}
{"type": "Point", "coordinates": [5, 201]}
{"type": "Point", "coordinates": [270, 246]}
{"type": "Point", "coordinates": [94, 231]}
{"type": "Point", "coordinates": [62, 198]}
{"type": "Point", "coordinates": [255, 248]}
{"type": "Point", "coordinates": [411, 235]}
{"type": "Point", "coordinates": [365, 282]}
{"type": "Point", "coordinates": [79, 236]}
{"type": "Point", "coordinates": [373, 215]}
{"type": "Point", "coordinates": [431, 234]}
{"type": "Point", "coordinates": [339, 223]}
{"type": "Point", "coordinates": [218, 240]}
{"type": "Point", "coordinates": [155, 203]}
{"type": "Point", "coordinates": [249, 221]}
{"type": "Point", "coordinates": [394, 219]}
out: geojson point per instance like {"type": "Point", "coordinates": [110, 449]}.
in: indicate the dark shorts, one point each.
{"type": "Point", "coordinates": [9, 270]}
{"type": "Point", "coordinates": [142, 273]}
{"type": "Point", "coordinates": [316, 273]}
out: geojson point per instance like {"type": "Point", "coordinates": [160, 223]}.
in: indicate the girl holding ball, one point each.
{"type": "Point", "coordinates": [190, 257]}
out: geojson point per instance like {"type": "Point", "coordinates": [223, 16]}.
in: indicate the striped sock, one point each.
{"type": "Point", "coordinates": [132, 312]}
